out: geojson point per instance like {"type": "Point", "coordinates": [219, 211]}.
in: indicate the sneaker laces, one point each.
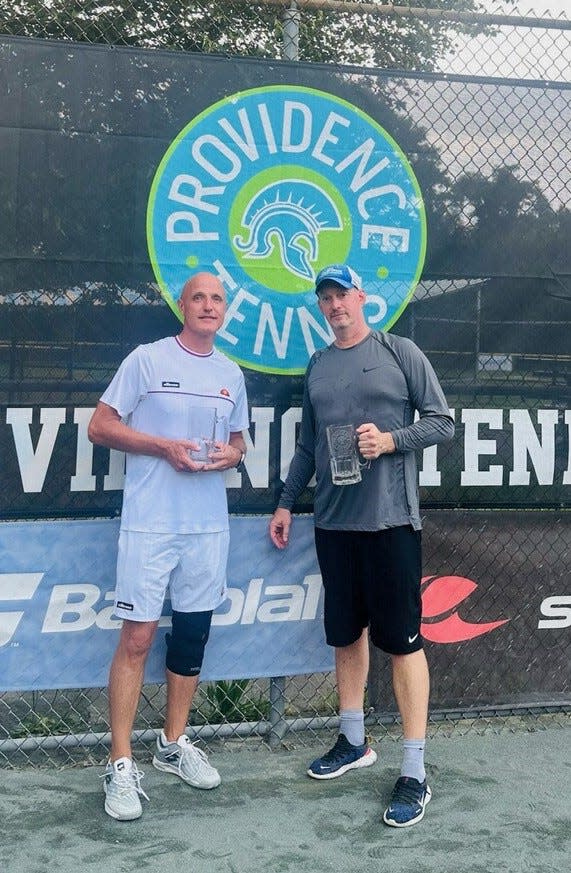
{"type": "Point", "coordinates": [197, 756]}
{"type": "Point", "coordinates": [127, 780]}
{"type": "Point", "coordinates": [339, 750]}
{"type": "Point", "coordinates": [405, 791]}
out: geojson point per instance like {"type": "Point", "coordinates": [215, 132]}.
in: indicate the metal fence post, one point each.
{"type": "Point", "coordinates": [278, 724]}
{"type": "Point", "coordinates": [290, 42]}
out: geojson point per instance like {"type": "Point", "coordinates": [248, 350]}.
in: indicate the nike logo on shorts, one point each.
{"type": "Point", "coordinates": [412, 639]}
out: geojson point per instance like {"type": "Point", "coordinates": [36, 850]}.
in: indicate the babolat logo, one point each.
{"type": "Point", "coordinates": [16, 588]}
{"type": "Point", "coordinates": [266, 187]}
{"type": "Point", "coordinates": [441, 622]}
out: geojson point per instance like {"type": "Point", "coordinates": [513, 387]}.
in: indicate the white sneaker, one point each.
{"type": "Point", "coordinates": [122, 786]}
{"type": "Point", "coordinates": [186, 761]}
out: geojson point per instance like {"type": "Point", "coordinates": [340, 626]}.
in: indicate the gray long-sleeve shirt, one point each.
{"type": "Point", "coordinates": [383, 379]}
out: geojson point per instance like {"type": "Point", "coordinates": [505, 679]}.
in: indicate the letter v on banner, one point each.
{"type": "Point", "coordinates": [34, 464]}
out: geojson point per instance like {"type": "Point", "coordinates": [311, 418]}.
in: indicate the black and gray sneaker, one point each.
{"type": "Point", "coordinates": [183, 759]}
{"type": "Point", "coordinates": [342, 757]}
{"type": "Point", "coordinates": [408, 802]}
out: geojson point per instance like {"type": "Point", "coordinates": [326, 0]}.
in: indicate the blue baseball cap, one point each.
{"type": "Point", "coordinates": [340, 274]}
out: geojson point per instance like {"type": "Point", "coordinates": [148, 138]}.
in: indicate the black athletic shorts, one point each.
{"type": "Point", "coordinates": [372, 578]}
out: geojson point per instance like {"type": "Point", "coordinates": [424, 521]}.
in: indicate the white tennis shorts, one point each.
{"type": "Point", "coordinates": [191, 566]}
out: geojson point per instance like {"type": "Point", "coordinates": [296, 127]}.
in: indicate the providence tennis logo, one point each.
{"type": "Point", "coordinates": [264, 188]}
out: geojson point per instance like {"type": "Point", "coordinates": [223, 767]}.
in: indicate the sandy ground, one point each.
{"type": "Point", "coordinates": [501, 803]}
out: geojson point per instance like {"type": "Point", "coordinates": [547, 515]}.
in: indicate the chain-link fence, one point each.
{"type": "Point", "coordinates": [496, 38]}
{"type": "Point", "coordinates": [482, 101]}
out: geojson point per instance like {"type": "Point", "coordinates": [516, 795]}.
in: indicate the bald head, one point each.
{"type": "Point", "coordinates": [203, 282]}
{"type": "Point", "coordinates": [203, 306]}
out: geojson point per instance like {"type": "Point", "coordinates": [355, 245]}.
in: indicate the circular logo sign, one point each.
{"type": "Point", "coordinates": [267, 187]}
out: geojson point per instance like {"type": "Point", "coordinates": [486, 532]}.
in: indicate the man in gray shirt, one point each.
{"type": "Point", "coordinates": [367, 533]}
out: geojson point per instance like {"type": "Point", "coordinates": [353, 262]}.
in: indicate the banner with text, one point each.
{"type": "Point", "coordinates": [496, 612]}
{"type": "Point", "coordinates": [57, 628]}
{"type": "Point", "coordinates": [125, 171]}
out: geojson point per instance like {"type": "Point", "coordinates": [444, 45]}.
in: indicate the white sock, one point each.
{"type": "Point", "coordinates": [352, 724]}
{"type": "Point", "coordinates": [413, 759]}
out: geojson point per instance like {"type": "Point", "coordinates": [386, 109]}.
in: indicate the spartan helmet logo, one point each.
{"type": "Point", "coordinates": [288, 216]}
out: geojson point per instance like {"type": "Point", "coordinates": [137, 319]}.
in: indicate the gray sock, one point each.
{"type": "Point", "coordinates": [413, 759]}
{"type": "Point", "coordinates": [352, 724]}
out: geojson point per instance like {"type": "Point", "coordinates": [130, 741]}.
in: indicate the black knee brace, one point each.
{"type": "Point", "coordinates": [185, 646]}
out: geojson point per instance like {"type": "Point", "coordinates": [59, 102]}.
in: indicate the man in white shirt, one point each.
{"type": "Point", "coordinates": [174, 525]}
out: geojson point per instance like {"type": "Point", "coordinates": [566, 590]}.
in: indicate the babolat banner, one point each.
{"type": "Point", "coordinates": [487, 641]}
{"type": "Point", "coordinates": [57, 628]}
{"type": "Point", "coordinates": [126, 171]}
